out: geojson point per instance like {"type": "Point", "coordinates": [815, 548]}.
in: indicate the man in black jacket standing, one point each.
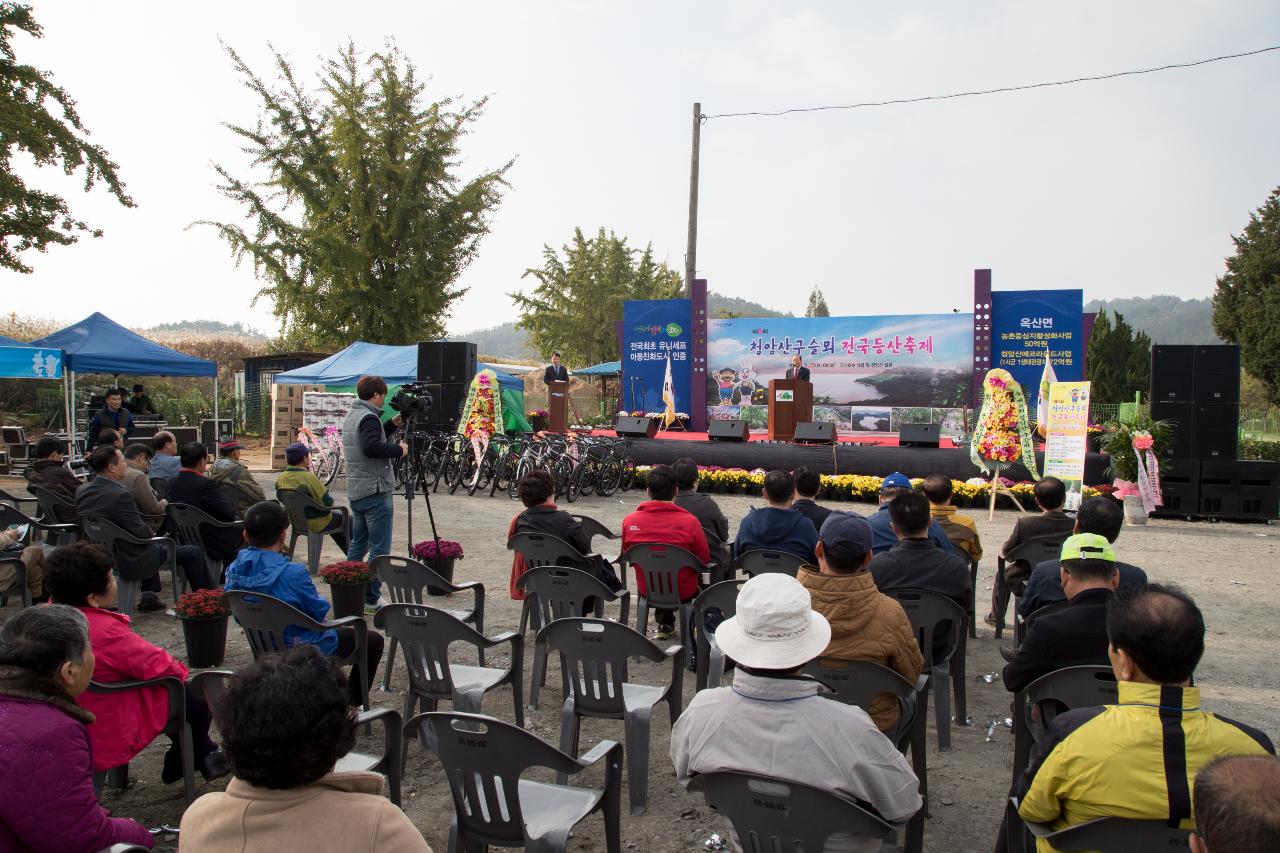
{"type": "Point", "coordinates": [555, 372]}
{"type": "Point", "coordinates": [194, 488]}
{"type": "Point", "coordinates": [112, 415]}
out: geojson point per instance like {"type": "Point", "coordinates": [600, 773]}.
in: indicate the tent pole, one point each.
{"type": "Point", "coordinates": [216, 437]}
{"type": "Point", "coordinates": [71, 421]}
{"type": "Point", "coordinates": [66, 404]}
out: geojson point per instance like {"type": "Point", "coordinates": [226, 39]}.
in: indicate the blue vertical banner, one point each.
{"type": "Point", "coordinates": [1024, 322]}
{"type": "Point", "coordinates": [652, 329]}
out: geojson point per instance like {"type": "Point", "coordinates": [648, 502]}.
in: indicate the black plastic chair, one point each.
{"type": "Point", "coordinates": [160, 485]}
{"type": "Point", "coordinates": [110, 536]}
{"type": "Point", "coordinates": [1114, 835]}
{"type": "Point", "coordinates": [10, 516]}
{"type": "Point", "coordinates": [297, 503]}
{"type": "Point", "coordinates": [710, 661]}
{"type": "Point", "coordinates": [18, 586]}
{"type": "Point", "coordinates": [264, 620]}
{"type": "Point", "coordinates": [594, 654]}
{"type": "Point", "coordinates": [16, 502]}
{"type": "Point", "coordinates": [118, 777]}
{"type": "Point", "coordinates": [593, 528]}
{"type": "Point", "coordinates": [55, 509]}
{"type": "Point", "coordinates": [408, 581]}
{"type": "Point", "coordinates": [559, 593]}
{"type": "Point", "coordinates": [188, 522]}
{"type": "Point", "coordinates": [485, 759]}
{"type": "Point", "coordinates": [770, 814]}
{"type": "Point", "coordinates": [660, 564]}
{"type": "Point", "coordinates": [210, 685]}
{"type": "Point", "coordinates": [542, 549]}
{"type": "Point", "coordinates": [927, 610]}
{"type": "Point", "coordinates": [762, 560]}
{"type": "Point", "coordinates": [1021, 626]}
{"type": "Point", "coordinates": [426, 634]}
{"type": "Point", "coordinates": [858, 682]}
{"type": "Point", "coordinates": [1032, 553]}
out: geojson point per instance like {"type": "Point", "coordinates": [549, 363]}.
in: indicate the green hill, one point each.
{"type": "Point", "coordinates": [1165, 319]}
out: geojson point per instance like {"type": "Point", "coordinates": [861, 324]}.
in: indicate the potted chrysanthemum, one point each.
{"type": "Point", "coordinates": [203, 614]}
{"type": "Point", "coordinates": [348, 580]}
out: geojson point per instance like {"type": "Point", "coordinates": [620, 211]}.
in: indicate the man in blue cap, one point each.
{"type": "Point", "coordinates": [882, 536]}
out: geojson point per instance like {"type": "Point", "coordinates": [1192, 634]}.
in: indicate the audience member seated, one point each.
{"type": "Point", "coordinates": [959, 528]}
{"type": "Point", "coordinates": [110, 437]}
{"type": "Point", "coordinates": [776, 724]}
{"type": "Point", "coordinates": [1237, 805]}
{"type": "Point", "coordinates": [194, 488]}
{"type": "Point", "coordinates": [263, 567]}
{"type": "Point", "coordinates": [47, 800]}
{"type": "Point", "coordinates": [231, 474]}
{"type": "Point", "coordinates": [106, 497]}
{"type": "Point", "coordinates": [126, 723]}
{"type": "Point", "coordinates": [882, 536]}
{"type": "Point", "coordinates": [1076, 636]}
{"type": "Point", "coordinates": [137, 480]}
{"type": "Point", "coordinates": [865, 625]}
{"type": "Point", "coordinates": [1157, 727]}
{"type": "Point", "coordinates": [659, 520]}
{"type": "Point", "coordinates": [1101, 516]}
{"type": "Point", "coordinates": [32, 557]}
{"type": "Point", "coordinates": [703, 507]}
{"type": "Point", "coordinates": [1051, 525]}
{"type": "Point", "coordinates": [298, 476]}
{"type": "Point", "coordinates": [140, 403]}
{"type": "Point", "coordinates": [808, 484]}
{"type": "Point", "coordinates": [112, 416]}
{"type": "Point", "coordinates": [165, 463]}
{"type": "Point", "coordinates": [777, 525]}
{"type": "Point", "coordinates": [285, 722]}
{"type": "Point", "coordinates": [537, 491]}
{"type": "Point", "coordinates": [50, 469]}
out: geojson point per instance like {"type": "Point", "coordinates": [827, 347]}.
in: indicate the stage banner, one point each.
{"type": "Point", "coordinates": [30, 363]}
{"type": "Point", "coordinates": [651, 328]}
{"type": "Point", "coordinates": [1023, 322]}
{"type": "Point", "coordinates": [862, 368]}
{"type": "Point", "coordinates": [1067, 437]}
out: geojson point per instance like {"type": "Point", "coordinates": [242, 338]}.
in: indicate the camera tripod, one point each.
{"type": "Point", "coordinates": [412, 477]}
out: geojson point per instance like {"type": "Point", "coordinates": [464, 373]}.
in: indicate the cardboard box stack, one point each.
{"type": "Point", "coordinates": [286, 417]}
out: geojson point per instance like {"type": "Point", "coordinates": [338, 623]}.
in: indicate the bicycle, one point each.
{"type": "Point", "coordinates": [326, 452]}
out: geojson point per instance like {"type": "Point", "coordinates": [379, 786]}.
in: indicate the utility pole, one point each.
{"type": "Point", "coordinates": [691, 253]}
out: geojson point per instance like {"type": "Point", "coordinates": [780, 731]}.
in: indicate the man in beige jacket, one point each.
{"type": "Point", "coordinates": [865, 625]}
{"type": "Point", "coordinates": [138, 481]}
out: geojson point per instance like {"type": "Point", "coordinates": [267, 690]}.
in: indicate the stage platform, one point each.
{"type": "Point", "coordinates": [847, 457]}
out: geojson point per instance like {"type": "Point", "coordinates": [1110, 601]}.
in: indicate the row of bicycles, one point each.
{"type": "Point", "coordinates": [581, 465]}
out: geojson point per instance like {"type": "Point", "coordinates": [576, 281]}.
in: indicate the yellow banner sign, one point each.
{"type": "Point", "coordinates": [1066, 437]}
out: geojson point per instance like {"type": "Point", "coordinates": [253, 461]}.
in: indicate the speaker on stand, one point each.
{"type": "Point", "coordinates": [630, 427]}
{"type": "Point", "coordinates": [919, 435]}
{"type": "Point", "coordinates": [730, 430]}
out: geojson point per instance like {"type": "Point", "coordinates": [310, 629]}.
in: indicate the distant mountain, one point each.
{"type": "Point", "coordinates": [720, 305]}
{"type": "Point", "coordinates": [1165, 319]}
{"type": "Point", "coordinates": [210, 327]}
{"type": "Point", "coordinates": [500, 342]}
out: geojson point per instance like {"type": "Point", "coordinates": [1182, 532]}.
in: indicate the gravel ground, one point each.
{"type": "Point", "coordinates": [1226, 567]}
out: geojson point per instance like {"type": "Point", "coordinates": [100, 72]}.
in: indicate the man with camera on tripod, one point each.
{"type": "Point", "coordinates": [370, 484]}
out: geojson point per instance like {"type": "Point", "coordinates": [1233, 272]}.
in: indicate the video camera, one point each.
{"type": "Point", "coordinates": [412, 399]}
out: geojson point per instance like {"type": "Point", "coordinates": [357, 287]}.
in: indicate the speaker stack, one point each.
{"type": "Point", "coordinates": [448, 368]}
{"type": "Point", "coordinates": [815, 432]}
{"type": "Point", "coordinates": [731, 430]}
{"type": "Point", "coordinates": [1198, 389]}
{"type": "Point", "coordinates": [919, 435]}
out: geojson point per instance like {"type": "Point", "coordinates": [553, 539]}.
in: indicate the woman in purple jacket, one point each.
{"type": "Point", "coordinates": [46, 789]}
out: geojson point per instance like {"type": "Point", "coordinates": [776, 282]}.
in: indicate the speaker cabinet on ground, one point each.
{"type": "Point", "coordinates": [1218, 374]}
{"type": "Point", "coordinates": [1219, 489]}
{"type": "Point", "coordinates": [1173, 373]}
{"type": "Point", "coordinates": [211, 436]}
{"type": "Point", "coordinates": [636, 427]}
{"type": "Point", "coordinates": [448, 404]}
{"type": "Point", "coordinates": [812, 432]}
{"type": "Point", "coordinates": [1179, 487]}
{"type": "Point", "coordinates": [1183, 418]}
{"type": "Point", "coordinates": [458, 362]}
{"type": "Point", "coordinates": [733, 430]}
{"type": "Point", "coordinates": [184, 434]}
{"type": "Point", "coordinates": [429, 355]}
{"type": "Point", "coordinates": [919, 435]}
{"type": "Point", "coordinates": [1217, 430]}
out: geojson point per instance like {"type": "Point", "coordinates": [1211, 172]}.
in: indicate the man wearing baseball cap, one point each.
{"type": "Point", "coordinates": [1077, 635]}
{"type": "Point", "coordinates": [882, 536]}
{"type": "Point", "coordinates": [231, 474]}
{"type": "Point", "coordinates": [298, 476]}
{"type": "Point", "coordinates": [775, 722]}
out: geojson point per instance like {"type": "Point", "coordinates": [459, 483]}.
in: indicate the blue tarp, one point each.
{"type": "Point", "coordinates": [396, 365]}
{"type": "Point", "coordinates": [98, 344]}
{"type": "Point", "coordinates": [10, 342]}
{"type": "Point", "coordinates": [20, 361]}
{"type": "Point", "coordinates": [606, 368]}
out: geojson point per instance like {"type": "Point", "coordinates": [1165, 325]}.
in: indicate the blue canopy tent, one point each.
{"type": "Point", "coordinates": [604, 368]}
{"type": "Point", "coordinates": [397, 365]}
{"type": "Point", "coordinates": [98, 344]}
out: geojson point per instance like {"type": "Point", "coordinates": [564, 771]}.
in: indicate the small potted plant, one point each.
{"type": "Point", "coordinates": [204, 615]}
{"type": "Point", "coordinates": [538, 419]}
{"type": "Point", "coordinates": [348, 580]}
{"type": "Point", "coordinates": [439, 555]}
{"type": "Point", "coordinates": [1129, 441]}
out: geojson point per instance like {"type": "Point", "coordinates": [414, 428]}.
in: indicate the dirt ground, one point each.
{"type": "Point", "coordinates": [1228, 568]}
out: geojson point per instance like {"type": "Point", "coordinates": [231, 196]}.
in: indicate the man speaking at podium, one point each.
{"type": "Point", "coordinates": [796, 371]}
{"type": "Point", "coordinates": [556, 372]}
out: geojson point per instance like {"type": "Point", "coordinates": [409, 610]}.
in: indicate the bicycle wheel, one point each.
{"type": "Point", "coordinates": [462, 469]}
{"type": "Point", "coordinates": [480, 481]}
{"type": "Point", "coordinates": [628, 474]}
{"type": "Point", "coordinates": [327, 466]}
{"type": "Point", "coordinates": [587, 474]}
{"type": "Point", "coordinates": [524, 466]}
{"type": "Point", "coordinates": [610, 478]}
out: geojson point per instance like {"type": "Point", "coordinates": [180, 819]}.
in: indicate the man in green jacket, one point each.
{"type": "Point", "coordinates": [230, 473]}
{"type": "Point", "coordinates": [298, 476]}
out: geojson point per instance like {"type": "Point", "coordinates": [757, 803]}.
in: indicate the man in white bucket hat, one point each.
{"type": "Point", "coordinates": [775, 722]}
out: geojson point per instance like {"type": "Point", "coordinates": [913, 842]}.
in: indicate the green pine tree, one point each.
{"type": "Point", "coordinates": [1246, 306]}
{"type": "Point", "coordinates": [817, 304]}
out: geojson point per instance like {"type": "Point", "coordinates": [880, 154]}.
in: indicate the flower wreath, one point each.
{"type": "Point", "coordinates": [1002, 435]}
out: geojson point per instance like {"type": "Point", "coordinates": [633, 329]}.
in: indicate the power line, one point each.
{"type": "Point", "coordinates": [998, 91]}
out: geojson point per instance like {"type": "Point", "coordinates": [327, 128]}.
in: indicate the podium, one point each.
{"type": "Point", "coordinates": [558, 406]}
{"type": "Point", "coordinates": [790, 403]}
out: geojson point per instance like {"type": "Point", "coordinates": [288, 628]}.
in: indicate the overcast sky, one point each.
{"type": "Point", "coordinates": [1129, 187]}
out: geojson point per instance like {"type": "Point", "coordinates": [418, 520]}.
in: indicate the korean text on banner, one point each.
{"type": "Point", "coordinates": [1067, 442]}
{"type": "Point", "coordinates": [653, 330]}
{"type": "Point", "coordinates": [1026, 323]}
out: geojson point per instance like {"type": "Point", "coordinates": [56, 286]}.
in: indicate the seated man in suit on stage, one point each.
{"type": "Point", "coordinates": [960, 529]}
{"type": "Point", "coordinates": [1052, 526]}
{"type": "Point", "coordinates": [703, 507]}
{"type": "Point", "coordinates": [778, 526]}
{"type": "Point", "coordinates": [194, 488]}
{"type": "Point", "coordinates": [797, 370]}
{"type": "Point", "coordinates": [882, 536]}
{"type": "Point", "coordinates": [808, 484]}
{"type": "Point", "coordinates": [555, 372]}
{"type": "Point", "coordinates": [50, 469]}
{"type": "Point", "coordinates": [1076, 636]}
{"type": "Point", "coordinates": [537, 491]}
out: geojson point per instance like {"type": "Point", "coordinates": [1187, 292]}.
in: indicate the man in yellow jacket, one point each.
{"type": "Point", "coordinates": [1137, 758]}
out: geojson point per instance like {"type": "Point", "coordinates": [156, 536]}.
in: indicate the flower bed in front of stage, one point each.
{"type": "Point", "coordinates": [854, 487]}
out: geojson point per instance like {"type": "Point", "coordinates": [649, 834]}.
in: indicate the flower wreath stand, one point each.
{"type": "Point", "coordinates": [1003, 435]}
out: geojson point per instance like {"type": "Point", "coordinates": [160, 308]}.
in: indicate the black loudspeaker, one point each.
{"type": "Point", "coordinates": [1180, 487]}
{"type": "Point", "coordinates": [1173, 373]}
{"type": "Point", "coordinates": [1183, 418]}
{"type": "Point", "coordinates": [458, 362]}
{"type": "Point", "coordinates": [211, 437]}
{"type": "Point", "coordinates": [185, 435]}
{"type": "Point", "coordinates": [1259, 487]}
{"type": "Point", "coordinates": [919, 435]}
{"type": "Point", "coordinates": [734, 430]}
{"type": "Point", "coordinates": [1219, 489]}
{"type": "Point", "coordinates": [636, 427]}
{"type": "Point", "coordinates": [429, 365]}
{"type": "Point", "coordinates": [815, 433]}
{"type": "Point", "coordinates": [1218, 374]}
{"type": "Point", "coordinates": [1217, 431]}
